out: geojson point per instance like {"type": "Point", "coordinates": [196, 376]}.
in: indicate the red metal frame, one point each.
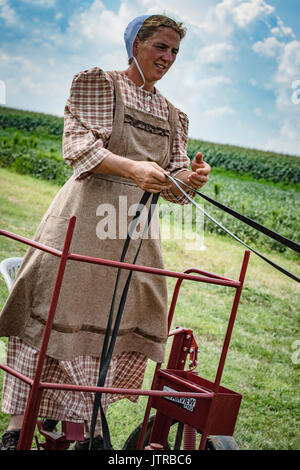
{"type": "Point", "coordinates": [37, 387]}
{"type": "Point", "coordinates": [213, 413]}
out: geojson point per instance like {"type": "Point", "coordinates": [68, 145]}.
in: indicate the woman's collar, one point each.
{"type": "Point", "coordinates": [132, 83]}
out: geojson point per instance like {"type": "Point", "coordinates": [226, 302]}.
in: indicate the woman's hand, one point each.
{"type": "Point", "coordinates": [196, 178]}
{"type": "Point", "coordinates": [200, 172]}
{"type": "Point", "coordinates": [150, 177]}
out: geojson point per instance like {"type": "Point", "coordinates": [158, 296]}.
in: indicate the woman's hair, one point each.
{"type": "Point", "coordinates": [154, 22]}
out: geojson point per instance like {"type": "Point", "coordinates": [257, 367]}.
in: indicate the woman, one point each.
{"type": "Point", "coordinates": [120, 136]}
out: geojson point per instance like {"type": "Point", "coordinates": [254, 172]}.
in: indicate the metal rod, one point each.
{"type": "Point", "coordinates": [32, 243]}
{"type": "Point", "coordinates": [125, 391]}
{"type": "Point", "coordinates": [17, 374]}
{"type": "Point", "coordinates": [33, 404]}
{"type": "Point", "coordinates": [148, 410]}
{"type": "Point", "coordinates": [231, 321]}
{"type": "Point", "coordinates": [206, 428]}
{"type": "Point", "coordinates": [150, 270]}
{"type": "Point", "coordinates": [86, 388]}
{"type": "Point", "coordinates": [209, 277]}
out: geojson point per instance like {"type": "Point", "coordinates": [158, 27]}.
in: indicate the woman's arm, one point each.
{"type": "Point", "coordinates": [149, 176]}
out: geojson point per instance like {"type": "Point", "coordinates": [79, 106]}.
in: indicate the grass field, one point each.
{"type": "Point", "coordinates": [263, 360]}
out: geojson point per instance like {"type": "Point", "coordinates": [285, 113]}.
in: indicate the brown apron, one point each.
{"type": "Point", "coordinates": [101, 204]}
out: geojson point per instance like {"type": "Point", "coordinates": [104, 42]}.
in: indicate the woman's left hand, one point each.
{"type": "Point", "coordinates": [200, 172]}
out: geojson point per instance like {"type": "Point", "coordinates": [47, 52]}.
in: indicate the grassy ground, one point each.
{"type": "Point", "coordinates": [263, 360]}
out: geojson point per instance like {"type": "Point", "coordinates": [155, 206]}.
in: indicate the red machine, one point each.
{"type": "Point", "coordinates": [178, 395]}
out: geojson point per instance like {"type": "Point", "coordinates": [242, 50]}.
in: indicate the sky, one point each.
{"type": "Point", "coordinates": [237, 74]}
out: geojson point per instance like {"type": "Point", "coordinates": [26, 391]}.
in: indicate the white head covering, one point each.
{"type": "Point", "coordinates": [129, 36]}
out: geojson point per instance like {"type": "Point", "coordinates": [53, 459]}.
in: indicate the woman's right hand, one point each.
{"type": "Point", "coordinates": [149, 176]}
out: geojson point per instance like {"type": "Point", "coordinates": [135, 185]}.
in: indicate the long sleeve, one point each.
{"type": "Point", "coordinates": [88, 121]}
{"type": "Point", "coordinates": [179, 160]}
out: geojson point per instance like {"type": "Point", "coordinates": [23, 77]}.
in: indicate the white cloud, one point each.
{"type": "Point", "coordinates": [290, 131]}
{"type": "Point", "coordinates": [7, 13]}
{"type": "Point", "coordinates": [215, 53]}
{"type": "Point", "coordinates": [41, 3]}
{"type": "Point", "coordinates": [269, 47]}
{"type": "Point", "coordinates": [216, 22]}
{"type": "Point", "coordinates": [287, 139]}
{"type": "Point", "coordinates": [215, 81]}
{"type": "Point", "coordinates": [245, 12]}
{"type": "Point", "coordinates": [219, 111]}
{"type": "Point", "coordinates": [221, 18]}
{"type": "Point", "coordinates": [281, 30]}
{"type": "Point", "coordinates": [258, 112]}
{"type": "Point", "coordinates": [18, 61]}
{"type": "Point", "coordinates": [99, 24]}
{"type": "Point", "coordinates": [289, 63]}
{"type": "Point", "coordinates": [30, 86]}
{"type": "Point", "coordinates": [191, 14]}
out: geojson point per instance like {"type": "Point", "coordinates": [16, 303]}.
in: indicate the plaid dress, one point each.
{"type": "Point", "coordinates": [84, 149]}
{"type": "Point", "coordinates": [125, 371]}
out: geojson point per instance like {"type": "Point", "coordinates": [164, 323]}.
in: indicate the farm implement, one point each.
{"type": "Point", "coordinates": [178, 394]}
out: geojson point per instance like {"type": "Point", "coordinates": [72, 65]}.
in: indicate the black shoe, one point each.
{"type": "Point", "coordinates": [10, 440]}
{"type": "Point", "coordinates": [84, 445]}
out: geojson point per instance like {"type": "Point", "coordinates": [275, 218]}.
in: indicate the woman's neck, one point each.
{"type": "Point", "coordinates": [134, 75]}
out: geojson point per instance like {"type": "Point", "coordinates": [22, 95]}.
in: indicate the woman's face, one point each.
{"type": "Point", "coordinates": [156, 55]}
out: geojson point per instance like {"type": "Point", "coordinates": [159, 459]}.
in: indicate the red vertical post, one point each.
{"type": "Point", "coordinates": [231, 320]}
{"type": "Point", "coordinates": [178, 354]}
{"type": "Point", "coordinates": [205, 430]}
{"type": "Point", "coordinates": [158, 366]}
{"type": "Point", "coordinates": [173, 303]}
{"type": "Point", "coordinates": [34, 400]}
{"type": "Point", "coordinates": [147, 412]}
